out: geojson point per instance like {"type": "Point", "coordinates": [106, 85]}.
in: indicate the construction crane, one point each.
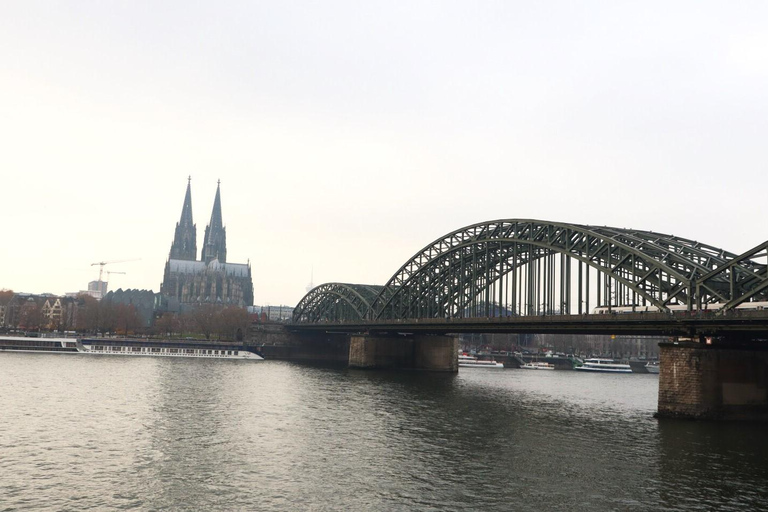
{"type": "Point", "coordinates": [110, 272]}
{"type": "Point", "coordinates": [102, 263]}
{"type": "Point", "coordinates": [106, 283]}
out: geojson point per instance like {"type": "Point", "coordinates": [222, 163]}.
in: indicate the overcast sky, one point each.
{"type": "Point", "coordinates": [349, 135]}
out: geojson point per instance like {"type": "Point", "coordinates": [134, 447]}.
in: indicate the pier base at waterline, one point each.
{"type": "Point", "coordinates": [723, 381]}
{"type": "Point", "coordinates": [421, 352]}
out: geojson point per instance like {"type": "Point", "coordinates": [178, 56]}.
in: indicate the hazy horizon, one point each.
{"type": "Point", "coordinates": [347, 136]}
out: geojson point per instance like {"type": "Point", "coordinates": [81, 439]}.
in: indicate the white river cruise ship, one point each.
{"type": "Point", "coordinates": [130, 347]}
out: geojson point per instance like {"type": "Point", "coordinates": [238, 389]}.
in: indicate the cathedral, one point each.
{"type": "Point", "coordinates": [211, 280]}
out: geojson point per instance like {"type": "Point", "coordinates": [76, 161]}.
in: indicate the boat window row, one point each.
{"type": "Point", "coordinates": [157, 350]}
{"type": "Point", "coordinates": [30, 343]}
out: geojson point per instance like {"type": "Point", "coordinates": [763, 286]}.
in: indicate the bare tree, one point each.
{"type": "Point", "coordinates": [234, 323]}
{"type": "Point", "coordinates": [206, 317]}
{"type": "Point", "coordinates": [31, 315]}
{"type": "Point", "coordinates": [168, 324]}
{"type": "Point", "coordinates": [127, 318]}
{"type": "Point", "coordinates": [108, 318]}
{"type": "Point", "coordinates": [88, 313]}
{"type": "Point", "coordinates": [187, 322]}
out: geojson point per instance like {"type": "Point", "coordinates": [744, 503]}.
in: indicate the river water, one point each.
{"type": "Point", "coordinates": [99, 432]}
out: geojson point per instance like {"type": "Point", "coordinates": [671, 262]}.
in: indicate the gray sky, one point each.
{"type": "Point", "coordinates": [349, 135]}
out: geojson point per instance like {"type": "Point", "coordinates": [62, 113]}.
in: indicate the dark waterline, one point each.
{"type": "Point", "coordinates": [80, 433]}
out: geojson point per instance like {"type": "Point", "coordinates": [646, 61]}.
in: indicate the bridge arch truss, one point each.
{"type": "Point", "coordinates": [336, 302]}
{"type": "Point", "coordinates": [530, 267]}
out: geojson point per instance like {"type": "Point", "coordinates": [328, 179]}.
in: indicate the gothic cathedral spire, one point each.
{"type": "Point", "coordinates": [215, 243]}
{"type": "Point", "coordinates": [184, 245]}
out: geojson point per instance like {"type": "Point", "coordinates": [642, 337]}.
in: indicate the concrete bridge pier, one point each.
{"type": "Point", "coordinates": [420, 352]}
{"type": "Point", "coordinates": [724, 381]}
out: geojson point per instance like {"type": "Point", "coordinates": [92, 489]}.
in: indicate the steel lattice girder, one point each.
{"type": "Point", "coordinates": [455, 269]}
{"type": "Point", "coordinates": [745, 278]}
{"type": "Point", "coordinates": [660, 268]}
{"type": "Point", "coordinates": [336, 301]}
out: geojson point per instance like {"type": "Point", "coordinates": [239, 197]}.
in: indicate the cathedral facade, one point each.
{"type": "Point", "coordinates": [210, 280]}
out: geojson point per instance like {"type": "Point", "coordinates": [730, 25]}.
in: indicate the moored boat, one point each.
{"type": "Point", "coordinates": [537, 365]}
{"type": "Point", "coordinates": [153, 348]}
{"type": "Point", "coordinates": [652, 366]}
{"type": "Point", "coordinates": [466, 361]}
{"type": "Point", "coordinates": [37, 344]}
{"type": "Point", "coordinates": [603, 365]}
{"type": "Point", "coordinates": [129, 347]}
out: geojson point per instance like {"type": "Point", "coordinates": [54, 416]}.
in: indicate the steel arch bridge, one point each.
{"type": "Point", "coordinates": [527, 267]}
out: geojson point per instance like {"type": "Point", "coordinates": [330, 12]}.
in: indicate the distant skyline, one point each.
{"type": "Point", "coordinates": [349, 135]}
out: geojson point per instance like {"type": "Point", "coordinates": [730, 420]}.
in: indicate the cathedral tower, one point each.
{"type": "Point", "coordinates": [188, 283]}
{"type": "Point", "coordinates": [215, 243]}
{"type": "Point", "coordinates": [184, 245]}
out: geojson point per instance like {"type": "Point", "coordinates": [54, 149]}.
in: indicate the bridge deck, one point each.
{"type": "Point", "coordinates": [734, 323]}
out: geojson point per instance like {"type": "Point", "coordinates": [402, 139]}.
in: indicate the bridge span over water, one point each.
{"type": "Point", "coordinates": [492, 275]}
{"type": "Point", "coordinates": [521, 275]}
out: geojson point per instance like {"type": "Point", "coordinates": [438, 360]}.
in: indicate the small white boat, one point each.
{"type": "Point", "coordinates": [537, 365]}
{"type": "Point", "coordinates": [466, 361]}
{"type": "Point", "coordinates": [652, 366]}
{"type": "Point", "coordinates": [604, 366]}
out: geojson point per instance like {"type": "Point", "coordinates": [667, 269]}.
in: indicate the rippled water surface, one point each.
{"type": "Point", "coordinates": [93, 433]}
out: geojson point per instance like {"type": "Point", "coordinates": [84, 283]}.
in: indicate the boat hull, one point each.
{"type": "Point", "coordinates": [38, 345]}
{"type": "Point", "coordinates": [600, 365]}
{"type": "Point", "coordinates": [481, 365]}
{"type": "Point", "coordinates": [603, 370]}
{"type": "Point", "coordinates": [529, 366]}
{"type": "Point", "coordinates": [127, 347]}
{"type": "Point", "coordinates": [132, 348]}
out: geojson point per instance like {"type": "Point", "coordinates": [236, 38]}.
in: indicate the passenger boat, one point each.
{"type": "Point", "coordinates": [652, 366]}
{"type": "Point", "coordinates": [603, 365]}
{"type": "Point", "coordinates": [466, 361]}
{"type": "Point", "coordinates": [537, 365]}
{"type": "Point", "coordinates": [153, 348]}
{"type": "Point", "coordinates": [36, 344]}
{"type": "Point", "coordinates": [129, 347]}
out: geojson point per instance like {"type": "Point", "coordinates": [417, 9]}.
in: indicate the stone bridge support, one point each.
{"type": "Point", "coordinates": [719, 382]}
{"type": "Point", "coordinates": [276, 342]}
{"type": "Point", "coordinates": [420, 352]}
